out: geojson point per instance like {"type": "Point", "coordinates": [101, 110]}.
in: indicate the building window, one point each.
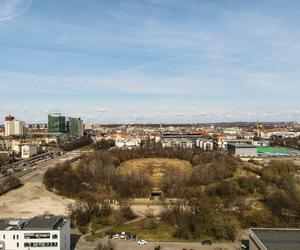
{"type": "Point", "coordinates": [54, 236]}
{"type": "Point", "coordinates": [17, 244]}
{"type": "Point", "coordinates": [37, 235]}
{"type": "Point", "coordinates": [17, 237]}
{"type": "Point", "coordinates": [14, 237]}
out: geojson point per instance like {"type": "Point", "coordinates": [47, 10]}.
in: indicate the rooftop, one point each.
{"type": "Point", "coordinates": [44, 222]}
{"type": "Point", "coordinates": [278, 239]}
{"type": "Point", "coordinates": [36, 223]}
{"type": "Point", "coordinates": [242, 145]}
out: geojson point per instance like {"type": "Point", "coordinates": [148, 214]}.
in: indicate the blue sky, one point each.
{"type": "Point", "coordinates": [150, 60]}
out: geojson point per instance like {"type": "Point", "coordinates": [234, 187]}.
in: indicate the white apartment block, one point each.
{"type": "Point", "coordinates": [14, 127]}
{"type": "Point", "coordinates": [44, 232]}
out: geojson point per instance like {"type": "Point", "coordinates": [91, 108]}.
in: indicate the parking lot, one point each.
{"type": "Point", "coordinates": [133, 245]}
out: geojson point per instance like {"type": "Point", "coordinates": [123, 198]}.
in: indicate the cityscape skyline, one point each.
{"type": "Point", "coordinates": [108, 62]}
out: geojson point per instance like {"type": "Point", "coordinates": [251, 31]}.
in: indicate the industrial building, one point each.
{"type": "Point", "coordinates": [274, 239]}
{"type": "Point", "coordinates": [242, 149]}
{"type": "Point", "coordinates": [44, 232]}
{"type": "Point", "coordinates": [56, 123]}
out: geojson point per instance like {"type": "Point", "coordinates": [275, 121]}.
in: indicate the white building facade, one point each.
{"type": "Point", "coordinates": [28, 151]}
{"type": "Point", "coordinates": [45, 232]}
{"type": "Point", "coordinates": [14, 127]}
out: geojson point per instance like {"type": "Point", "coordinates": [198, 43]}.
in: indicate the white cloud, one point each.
{"type": "Point", "coordinates": [9, 9]}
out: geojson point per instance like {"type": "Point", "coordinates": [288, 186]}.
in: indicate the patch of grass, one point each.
{"type": "Point", "coordinates": [162, 232]}
{"type": "Point", "coordinates": [91, 238]}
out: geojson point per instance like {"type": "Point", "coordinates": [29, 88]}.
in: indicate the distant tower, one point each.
{"type": "Point", "coordinates": [257, 128]}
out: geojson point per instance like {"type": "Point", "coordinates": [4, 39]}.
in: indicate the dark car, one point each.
{"type": "Point", "coordinates": [133, 237]}
{"type": "Point", "coordinates": [128, 236]}
{"type": "Point", "coordinates": [206, 242]}
{"type": "Point", "coordinates": [245, 244]}
{"type": "Point", "coordinates": [110, 236]}
{"type": "Point", "coordinates": [157, 248]}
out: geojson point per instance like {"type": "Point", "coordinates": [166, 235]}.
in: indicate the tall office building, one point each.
{"type": "Point", "coordinates": [14, 127]}
{"type": "Point", "coordinates": [75, 127]}
{"type": "Point", "coordinates": [56, 123]}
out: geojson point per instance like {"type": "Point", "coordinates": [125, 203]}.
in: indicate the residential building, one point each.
{"type": "Point", "coordinates": [14, 127]}
{"type": "Point", "coordinates": [75, 127]}
{"type": "Point", "coordinates": [56, 123]}
{"type": "Point", "coordinates": [128, 143]}
{"type": "Point", "coordinates": [43, 232]}
{"type": "Point", "coordinates": [274, 239]}
{"type": "Point", "coordinates": [180, 140]}
{"type": "Point", "coordinates": [206, 145]}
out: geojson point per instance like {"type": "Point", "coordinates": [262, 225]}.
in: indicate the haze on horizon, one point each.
{"type": "Point", "coordinates": [150, 61]}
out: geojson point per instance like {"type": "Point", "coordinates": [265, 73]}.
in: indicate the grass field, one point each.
{"type": "Point", "coordinates": [276, 151]}
{"type": "Point", "coordinates": [162, 231]}
{"type": "Point", "coordinates": [156, 168]}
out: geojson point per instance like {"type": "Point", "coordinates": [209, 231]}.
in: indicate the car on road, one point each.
{"type": "Point", "coordinates": [117, 236]}
{"type": "Point", "coordinates": [206, 242]}
{"type": "Point", "coordinates": [142, 242]}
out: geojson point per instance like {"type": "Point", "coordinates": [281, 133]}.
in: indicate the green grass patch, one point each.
{"type": "Point", "coordinates": [162, 232]}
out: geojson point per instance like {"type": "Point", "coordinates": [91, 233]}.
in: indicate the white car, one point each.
{"type": "Point", "coordinates": [116, 236]}
{"type": "Point", "coordinates": [123, 235]}
{"type": "Point", "coordinates": [142, 242]}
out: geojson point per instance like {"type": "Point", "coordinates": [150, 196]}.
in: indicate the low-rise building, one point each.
{"type": "Point", "coordinates": [242, 149]}
{"type": "Point", "coordinates": [180, 140]}
{"type": "Point", "coordinates": [44, 232]}
{"type": "Point", "coordinates": [274, 239]}
{"type": "Point", "coordinates": [28, 150]}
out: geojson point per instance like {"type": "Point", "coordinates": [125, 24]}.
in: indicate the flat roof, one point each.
{"type": "Point", "coordinates": [44, 222]}
{"type": "Point", "coordinates": [278, 239]}
{"type": "Point", "coordinates": [36, 223]}
{"type": "Point", "coordinates": [242, 145]}
{"type": "Point", "coordinates": [4, 225]}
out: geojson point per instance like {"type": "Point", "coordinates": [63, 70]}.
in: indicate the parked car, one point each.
{"type": "Point", "coordinates": [117, 236]}
{"type": "Point", "coordinates": [128, 236]}
{"type": "Point", "coordinates": [110, 236]}
{"type": "Point", "coordinates": [123, 235]}
{"type": "Point", "coordinates": [206, 242]}
{"type": "Point", "coordinates": [142, 242]}
{"type": "Point", "coordinates": [133, 237]}
{"type": "Point", "coordinates": [245, 244]}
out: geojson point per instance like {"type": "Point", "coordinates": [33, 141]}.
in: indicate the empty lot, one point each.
{"type": "Point", "coordinates": [32, 198]}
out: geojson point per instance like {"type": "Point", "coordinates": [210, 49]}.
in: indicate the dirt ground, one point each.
{"type": "Point", "coordinates": [32, 199]}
